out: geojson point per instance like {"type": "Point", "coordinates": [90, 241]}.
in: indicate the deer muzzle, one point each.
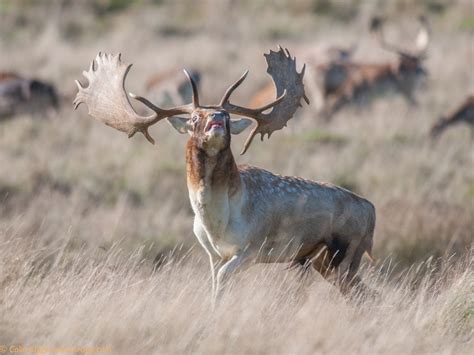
{"type": "Point", "coordinates": [215, 121]}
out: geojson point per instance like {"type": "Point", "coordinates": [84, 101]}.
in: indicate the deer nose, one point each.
{"type": "Point", "coordinates": [217, 116]}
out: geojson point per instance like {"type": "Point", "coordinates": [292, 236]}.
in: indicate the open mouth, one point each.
{"type": "Point", "coordinates": [215, 124]}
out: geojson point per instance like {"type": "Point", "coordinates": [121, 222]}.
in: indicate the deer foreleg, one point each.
{"type": "Point", "coordinates": [214, 259]}
{"type": "Point", "coordinates": [238, 261]}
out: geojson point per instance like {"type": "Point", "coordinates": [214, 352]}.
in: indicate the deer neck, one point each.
{"type": "Point", "coordinates": [211, 178]}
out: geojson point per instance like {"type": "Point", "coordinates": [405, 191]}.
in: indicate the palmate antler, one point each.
{"type": "Point", "coordinates": [289, 88]}
{"type": "Point", "coordinates": [107, 100]}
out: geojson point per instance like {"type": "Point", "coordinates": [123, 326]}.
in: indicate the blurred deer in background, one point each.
{"type": "Point", "coordinates": [464, 113]}
{"type": "Point", "coordinates": [169, 87]}
{"type": "Point", "coordinates": [245, 214]}
{"type": "Point", "coordinates": [20, 95]}
{"type": "Point", "coordinates": [345, 82]}
{"type": "Point", "coordinates": [332, 54]}
{"type": "Point", "coordinates": [7, 75]}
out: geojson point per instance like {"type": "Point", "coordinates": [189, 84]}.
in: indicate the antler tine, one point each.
{"type": "Point", "coordinates": [376, 26]}
{"type": "Point", "coordinates": [423, 36]}
{"type": "Point", "coordinates": [231, 88]}
{"type": "Point", "coordinates": [167, 112]}
{"type": "Point", "coordinates": [244, 111]}
{"type": "Point", "coordinates": [251, 112]}
{"type": "Point", "coordinates": [271, 104]}
{"type": "Point", "coordinates": [195, 89]}
{"type": "Point", "coordinates": [249, 140]}
{"type": "Point", "coordinates": [107, 101]}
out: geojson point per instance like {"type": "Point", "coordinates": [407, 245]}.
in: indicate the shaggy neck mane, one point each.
{"type": "Point", "coordinates": [217, 172]}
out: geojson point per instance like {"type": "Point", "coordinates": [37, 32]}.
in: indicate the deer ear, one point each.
{"type": "Point", "coordinates": [238, 126]}
{"type": "Point", "coordinates": [180, 124]}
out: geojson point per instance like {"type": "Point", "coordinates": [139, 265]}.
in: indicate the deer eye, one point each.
{"type": "Point", "coordinates": [194, 119]}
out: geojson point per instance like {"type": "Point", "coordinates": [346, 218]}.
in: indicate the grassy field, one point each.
{"type": "Point", "coordinates": [86, 214]}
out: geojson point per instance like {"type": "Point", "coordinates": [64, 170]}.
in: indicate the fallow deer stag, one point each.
{"type": "Point", "coordinates": [344, 82]}
{"type": "Point", "coordinates": [464, 113]}
{"type": "Point", "coordinates": [245, 214]}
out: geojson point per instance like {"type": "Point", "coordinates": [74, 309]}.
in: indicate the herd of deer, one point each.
{"type": "Point", "coordinates": [335, 81]}
{"type": "Point", "coordinates": [245, 214]}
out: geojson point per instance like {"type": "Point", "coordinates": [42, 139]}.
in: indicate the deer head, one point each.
{"type": "Point", "coordinates": [410, 61]}
{"type": "Point", "coordinates": [209, 126]}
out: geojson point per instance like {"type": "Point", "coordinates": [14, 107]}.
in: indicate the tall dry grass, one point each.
{"type": "Point", "coordinates": [85, 212]}
{"type": "Point", "coordinates": [63, 296]}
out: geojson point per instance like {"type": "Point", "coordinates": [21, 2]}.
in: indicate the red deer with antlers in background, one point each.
{"type": "Point", "coordinates": [245, 214]}
{"type": "Point", "coordinates": [320, 61]}
{"type": "Point", "coordinates": [345, 82]}
{"type": "Point", "coordinates": [464, 113]}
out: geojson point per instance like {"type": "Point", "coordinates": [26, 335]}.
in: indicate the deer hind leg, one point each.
{"type": "Point", "coordinates": [410, 98]}
{"type": "Point", "coordinates": [323, 260]}
{"type": "Point", "coordinates": [347, 270]}
{"type": "Point", "coordinates": [348, 279]}
{"type": "Point", "coordinates": [338, 262]}
{"type": "Point", "coordinates": [407, 91]}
